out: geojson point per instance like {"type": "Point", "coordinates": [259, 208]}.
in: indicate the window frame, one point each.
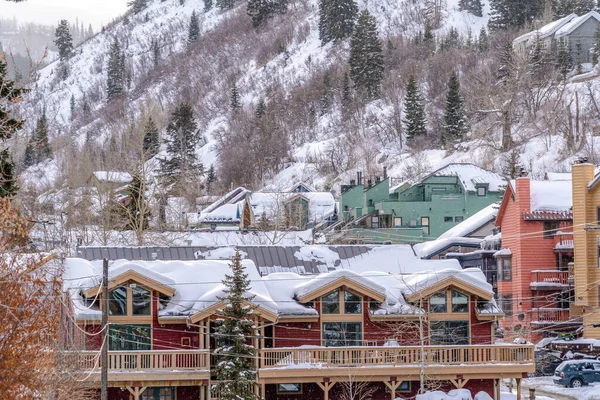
{"type": "Point", "coordinates": [342, 303]}
{"type": "Point", "coordinates": [289, 392]}
{"type": "Point", "coordinates": [448, 219]}
{"type": "Point", "coordinates": [504, 265]}
{"type": "Point", "coordinates": [446, 334]}
{"type": "Point", "coordinates": [129, 315]}
{"type": "Point", "coordinates": [357, 341]}
{"type": "Point", "coordinates": [459, 218]}
{"type": "Point", "coordinates": [480, 193]}
{"type": "Point", "coordinates": [425, 226]}
{"type": "Point", "coordinates": [550, 228]}
{"type": "Point", "coordinates": [449, 304]}
{"type": "Point", "coordinates": [339, 305]}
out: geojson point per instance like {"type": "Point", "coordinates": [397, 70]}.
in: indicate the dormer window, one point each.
{"type": "Point", "coordinates": [350, 303]}
{"type": "Point", "coordinates": [130, 300]}
{"type": "Point", "coordinates": [459, 302]}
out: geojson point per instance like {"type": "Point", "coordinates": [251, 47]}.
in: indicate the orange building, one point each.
{"type": "Point", "coordinates": [534, 284]}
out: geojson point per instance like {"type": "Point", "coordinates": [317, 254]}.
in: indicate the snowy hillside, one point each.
{"type": "Point", "coordinates": [286, 65]}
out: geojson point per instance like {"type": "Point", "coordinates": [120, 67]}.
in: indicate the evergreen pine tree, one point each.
{"type": "Point", "coordinates": [512, 13]}
{"type": "Point", "coordinates": [563, 58]}
{"type": "Point", "coordinates": [482, 43]}
{"type": "Point", "coordinates": [116, 74]}
{"type": "Point", "coordinates": [235, 369]}
{"type": "Point", "coordinates": [472, 6]}
{"type": "Point", "coordinates": [63, 40]}
{"type": "Point", "coordinates": [72, 105]}
{"type": "Point", "coordinates": [38, 148]}
{"type": "Point", "coordinates": [258, 10]}
{"type": "Point", "coordinates": [151, 140]}
{"type": "Point", "coordinates": [428, 35]}
{"type": "Point", "coordinates": [366, 56]}
{"type": "Point", "coordinates": [29, 158]}
{"type": "Point", "coordinates": [324, 31]}
{"type": "Point", "coordinates": [234, 98]}
{"type": "Point", "coordinates": [455, 120]}
{"type": "Point", "coordinates": [137, 6]}
{"type": "Point", "coordinates": [513, 168]}
{"type": "Point", "coordinates": [342, 17]}
{"type": "Point", "coordinates": [578, 55]}
{"type": "Point", "coordinates": [211, 177]}
{"type": "Point", "coordinates": [414, 111]}
{"type": "Point", "coordinates": [8, 181]}
{"type": "Point", "coordinates": [155, 52]}
{"type": "Point", "coordinates": [137, 212]}
{"type": "Point", "coordinates": [208, 5]}
{"type": "Point", "coordinates": [225, 4]}
{"type": "Point", "coordinates": [182, 137]}
{"type": "Point", "coordinates": [260, 109]}
{"type": "Point", "coordinates": [193, 28]}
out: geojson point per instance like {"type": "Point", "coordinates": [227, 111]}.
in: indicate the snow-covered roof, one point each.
{"type": "Point", "coordinates": [224, 213]}
{"type": "Point", "coordinates": [546, 30]}
{"type": "Point", "coordinates": [431, 248]}
{"type": "Point", "coordinates": [575, 23]}
{"type": "Point", "coordinates": [503, 252]}
{"type": "Point", "coordinates": [232, 197]}
{"type": "Point", "coordinates": [473, 223]}
{"type": "Point", "coordinates": [387, 272]}
{"type": "Point", "coordinates": [559, 176]}
{"type": "Point", "coordinates": [553, 196]}
{"type": "Point", "coordinates": [470, 175]}
{"type": "Point", "coordinates": [112, 176]}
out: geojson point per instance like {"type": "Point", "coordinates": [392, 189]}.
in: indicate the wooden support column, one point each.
{"type": "Point", "coordinates": [136, 391]}
{"type": "Point", "coordinates": [325, 386]}
{"type": "Point", "coordinates": [207, 336]}
{"type": "Point", "coordinates": [202, 392]}
{"type": "Point", "coordinates": [518, 388]}
{"type": "Point", "coordinates": [393, 386]}
{"type": "Point", "coordinates": [201, 335]}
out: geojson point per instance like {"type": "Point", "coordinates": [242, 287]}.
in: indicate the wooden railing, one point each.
{"type": "Point", "coordinates": [137, 360]}
{"type": "Point", "coordinates": [395, 356]}
{"type": "Point", "coordinates": [550, 315]}
{"type": "Point", "coordinates": [550, 277]}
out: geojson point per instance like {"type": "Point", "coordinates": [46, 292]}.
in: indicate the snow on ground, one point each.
{"type": "Point", "coordinates": [548, 387]}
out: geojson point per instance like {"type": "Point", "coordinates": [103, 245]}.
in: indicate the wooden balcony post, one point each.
{"type": "Point", "coordinates": [325, 386]}
{"type": "Point", "coordinates": [518, 388]}
{"type": "Point", "coordinates": [393, 386]}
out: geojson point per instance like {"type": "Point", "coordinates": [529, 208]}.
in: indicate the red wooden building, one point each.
{"type": "Point", "coordinates": [383, 325]}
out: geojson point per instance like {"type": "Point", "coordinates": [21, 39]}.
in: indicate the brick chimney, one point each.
{"type": "Point", "coordinates": [523, 194]}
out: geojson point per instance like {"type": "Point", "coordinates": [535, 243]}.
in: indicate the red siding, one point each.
{"type": "Point", "coordinates": [297, 334]}
{"type": "Point", "coordinates": [481, 331]}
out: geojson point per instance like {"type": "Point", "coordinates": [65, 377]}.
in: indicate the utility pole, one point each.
{"type": "Point", "coordinates": [104, 353]}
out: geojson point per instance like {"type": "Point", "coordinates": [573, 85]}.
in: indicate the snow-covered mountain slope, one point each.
{"type": "Point", "coordinates": [283, 62]}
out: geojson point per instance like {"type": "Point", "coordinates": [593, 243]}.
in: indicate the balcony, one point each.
{"type": "Point", "coordinates": [549, 280]}
{"type": "Point", "coordinates": [541, 316]}
{"type": "Point", "coordinates": [147, 366]}
{"type": "Point", "coordinates": [444, 362]}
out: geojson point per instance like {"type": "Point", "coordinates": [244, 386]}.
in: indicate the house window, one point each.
{"type": "Point", "coordinates": [448, 219]}
{"type": "Point", "coordinates": [374, 222]}
{"type": "Point", "coordinates": [437, 303]}
{"type": "Point", "coordinates": [550, 228]}
{"type": "Point", "coordinates": [352, 303]}
{"type": "Point", "coordinates": [506, 305]}
{"type": "Point", "coordinates": [449, 332]}
{"type": "Point", "coordinates": [330, 304]}
{"type": "Point", "coordinates": [403, 387]}
{"type": "Point", "coordinates": [289, 388]}
{"type": "Point", "coordinates": [459, 218]}
{"type": "Point", "coordinates": [397, 222]}
{"type": "Point", "coordinates": [141, 301]}
{"type": "Point", "coordinates": [460, 302]}
{"type": "Point", "coordinates": [129, 337]}
{"type": "Point", "coordinates": [117, 301]}
{"type": "Point", "coordinates": [504, 269]}
{"type": "Point", "coordinates": [342, 334]}
{"type": "Point", "coordinates": [481, 191]}
{"type": "Point", "coordinates": [158, 393]}
{"type": "Point", "coordinates": [425, 225]}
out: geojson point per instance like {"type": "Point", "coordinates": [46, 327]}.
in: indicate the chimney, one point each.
{"type": "Point", "coordinates": [352, 182]}
{"type": "Point", "coordinates": [584, 212]}
{"type": "Point", "coordinates": [384, 172]}
{"type": "Point", "coordinates": [368, 183]}
{"type": "Point", "coordinates": [377, 179]}
{"type": "Point", "coordinates": [523, 173]}
{"type": "Point", "coordinates": [358, 177]}
{"type": "Point", "coordinates": [523, 194]}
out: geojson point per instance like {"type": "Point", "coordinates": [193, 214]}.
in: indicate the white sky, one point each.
{"type": "Point", "coordinates": [95, 12]}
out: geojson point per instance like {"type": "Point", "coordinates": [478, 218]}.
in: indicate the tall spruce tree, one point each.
{"type": "Point", "coordinates": [482, 42]}
{"type": "Point", "coordinates": [236, 371]}
{"type": "Point", "coordinates": [208, 5]}
{"type": "Point", "coordinates": [234, 98]}
{"type": "Point", "coordinates": [473, 6]}
{"type": "Point", "coordinates": [324, 34]}
{"type": "Point", "coordinates": [455, 120]}
{"type": "Point", "coordinates": [182, 137]}
{"type": "Point", "coordinates": [336, 19]}
{"type": "Point", "coordinates": [137, 6]}
{"type": "Point", "coordinates": [261, 10]}
{"type": "Point", "coordinates": [366, 56]}
{"type": "Point", "coordinates": [155, 52]}
{"type": "Point", "coordinates": [414, 111]}
{"type": "Point", "coordinates": [193, 28]}
{"type": "Point", "coordinates": [507, 14]}
{"type": "Point", "coordinates": [9, 125]}
{"type": "Point", "coordinates": [63, 40]}
{"type": "Point", "coordinates": [151, 140]}
{"type": "Point", "coordinates": [596, 49]}
{"type": "Point", "coordinates": [578, 55]}
{"type": "Point", "coordinates": [38, 148]}
{"type": "Point", "coordinates": [563, 58]}
{"type": "Point", "coordinates": [115, 80]}
{"type": "Point", "coordinates": [137, 213]}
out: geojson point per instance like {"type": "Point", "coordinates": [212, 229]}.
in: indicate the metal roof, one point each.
{"type": "Point", "coordinates": [263, 256]}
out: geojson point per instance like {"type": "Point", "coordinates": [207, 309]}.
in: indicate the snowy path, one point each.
{"type": "Point", "coordinates": [544, 386]}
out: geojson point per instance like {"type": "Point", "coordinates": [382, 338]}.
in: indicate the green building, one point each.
{"type": "Point", "coordinates": [372, 212]}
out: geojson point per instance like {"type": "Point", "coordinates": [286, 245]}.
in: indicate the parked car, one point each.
{"type": "Point", "coordinates": [546, 362]}
{"type": "Point", "coordinates": [577, 373]}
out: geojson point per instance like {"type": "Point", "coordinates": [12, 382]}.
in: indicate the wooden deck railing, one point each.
{"type": "Point", "coordinates": [550, 277]}
{"type": "Point", "coordinates": [550, 315]}
{"type": "Point", "coordinates": [138, 360]}
{"type": "Point", "coordinates": [395, 356]}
